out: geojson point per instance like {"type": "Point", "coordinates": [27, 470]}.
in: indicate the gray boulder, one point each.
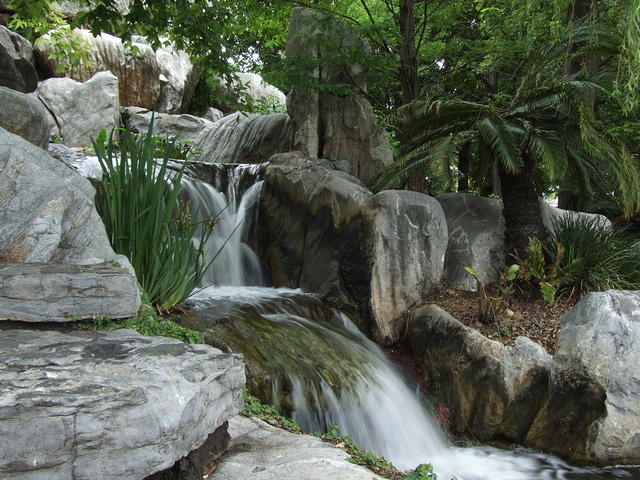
{"type": "Point", "coordinates": [255, 91]}
{"type": "Point", "coordinates": [113, 406]}
{"type": "Point", "coordinates": [46, 210]}
{"type": "Point", "coordinates": [185, 127]}
{"type": "Point", "coordinates": [80, 110]}
{"type": "Point", "coordinates": [213, 114]}
{"type": "Point", "coordinates": [374, 256]}
{"type": "Point", "coordinates": [476, 239]}
{"type": "Point", "coordinates": [25, 116]}
{"type": "Point", "coordinates": [16, 62]}
{"type": "Point", "coordinates": [262, 452]}
{"type": "Point", "coordinates": [340, 129]}
{"type": "Point", "coordinates": [551, 216]}
{"type": "Point", "coordinates": [244, 138]}
{"type": "Point", "coordinates": [40, 292]}
{"type": "Point", "coordinates": [409, 237]}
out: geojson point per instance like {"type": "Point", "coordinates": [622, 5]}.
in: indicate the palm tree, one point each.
{"type": "Point", "coordinates": [545, 123]}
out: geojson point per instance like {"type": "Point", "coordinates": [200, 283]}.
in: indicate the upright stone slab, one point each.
{"type": "Point", "coordinates": [16, 62]}
{"type": "Point", "coordinates": [108, 406]}
{"type": "Point", "coordinates": [24, 115]}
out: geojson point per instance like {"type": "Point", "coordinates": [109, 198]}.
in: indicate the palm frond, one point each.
{"type": "Point", "coordinates": [496, 135]}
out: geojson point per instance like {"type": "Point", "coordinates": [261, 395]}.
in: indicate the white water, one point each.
{"type": "Point", "coordinates": [376, 407]}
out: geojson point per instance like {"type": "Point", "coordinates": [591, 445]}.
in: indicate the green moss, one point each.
{"type": "Point", "coordinates": [253, 407]}
{"type": "Point", "coordinates": [147, 322]}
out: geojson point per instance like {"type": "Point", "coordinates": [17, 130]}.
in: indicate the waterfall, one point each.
{"type": "Point", "coordinates": [314, 363]}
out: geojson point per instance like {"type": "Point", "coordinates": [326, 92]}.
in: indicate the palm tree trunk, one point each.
{"type": "Point", "coordinates": [521, 209]}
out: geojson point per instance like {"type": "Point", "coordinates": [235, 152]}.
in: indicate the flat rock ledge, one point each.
{"type": "Point", "coordinates": [44, 292]}
{"type": "Point", "coordinates": [260, 451]}
{"type": "Point", "coordinates": [108, 405]}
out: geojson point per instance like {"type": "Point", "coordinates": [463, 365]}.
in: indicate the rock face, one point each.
{"type": "Point", "coordinates": [113, 405]}
{"type": "Point", "coordinates": [37, 292]}
{"type": "Point", "coordinates": [213, 114]}
{"type": "Point", "coordinates": [262, 452]}
{"type": "Point", "coordinates": [322, 231]}
{"type": "Point", "coordinates": [244, 138]}
{"type": "Point", "coordinates": [80, 110]}
{"type": "Point", "coordinates": [46, 210]}
{"type": "Point", "coordinates": [254, 90]}
{"type": "Point", "coordinates": [25, 116]}
{"type": "Point", "coordinates": [600, 339]}
{"type": "Point", "coordinates": [552, 215]}
{"type": "Point", "coordinates": [581, 404]}
{"type": "Point", "coordinates": [340, 129]}
{"type": "Point", "coordinates": [163, 80]}
{"type": "Point", "coordinates": [186, 127]}
{"type": "Point", "coordinates": [476, 239]}
{"type": "Point", "coordinates": [17, 71]}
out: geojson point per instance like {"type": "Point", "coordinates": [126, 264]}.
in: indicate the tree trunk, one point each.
{"type": "Point", "coordinates": [521, 212]}
{"type": "Point", "coordinates": [464, 161]}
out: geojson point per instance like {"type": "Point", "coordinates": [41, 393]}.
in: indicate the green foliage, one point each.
{"type": "Point", "coordinates": [147, 322]}
{"type": "Point", "coordinates": [253, 407]}
{"type": "Point", "coordinates": [145, 218]}
{"type": "Point", "coordinates": [545, 271]}
{"type": "Point", "coordinates": [422, 472]}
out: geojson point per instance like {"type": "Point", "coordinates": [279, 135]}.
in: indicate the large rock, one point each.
{"type": "Point", "coordinates": [113, 406]}
{"type": "Point", "coordinates": [244, 138]}
{"type": "Point", "coordinates": [46, 209]}
{"type": "Point", "coordinates": [253, 90]}
{"type": "Point", "coordinates": [476, 239]}
{"type": "Point", "coordinates": [374, 256]}
{"type": "Point", "coordinates": [40, 292]}
{"type": "Point", "coordinates": [262, 452]}
{"type": "Point", "coordinates": [553, 216]}
{"type": "Point", "coordinates": [185, 127]}
{"type": "Point", "coordinates": [599, 345]}
{"type": "Point", "coordinates": [409, 243]}
{"type": "Point", "coordinates": [162, 80]}
{"type": "Point", "coordinates": [340, 129]}
{"type": "Point", "coordinates": [80, 110]}
{"type": "Point", "coordinates": [16, 62]}
{"type": "Point", "coordinates": [24, 115]}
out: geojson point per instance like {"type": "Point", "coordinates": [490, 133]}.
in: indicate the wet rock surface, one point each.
{"type": "Point", "coordinates": [116, 405]}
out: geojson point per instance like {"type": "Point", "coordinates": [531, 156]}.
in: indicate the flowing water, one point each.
{"type": "Point", "coordinates": [315, 364]}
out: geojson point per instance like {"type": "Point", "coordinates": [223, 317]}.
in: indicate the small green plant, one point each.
{"type": "Point", "coordinates": [148, 323]}
{"type": "Point", "coordinates": [544, 269]}
{"type": "Point", "coordinates": [140, 203]}
{"type": "Point", "coordinates": [422, 472]}
{"type": "Point", "coordinates": [486, 310]}
{"type": "Point", "coordinates": [253, 407]}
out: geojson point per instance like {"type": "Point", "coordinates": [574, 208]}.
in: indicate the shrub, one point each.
{"type": "Point", "coordinates": [145, 218]}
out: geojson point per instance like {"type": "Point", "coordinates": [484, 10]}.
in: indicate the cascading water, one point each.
{"type": "Point", "coordinates": [316, 364]}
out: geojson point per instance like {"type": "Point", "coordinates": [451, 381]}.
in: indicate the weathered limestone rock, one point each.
{"type": "Point", "coordinates": [476, 239]}
{"type": "Point", "coordinates": [25, 116]}
{"type": "Point", "coordinates": [80, 110]}
{"type": "Point", "coordinates": [245, 138]}
{"type": "Point", "coordinates": [254, 90]}
{"type": "Point", "coordinates": [490, 390]}
{"type": "Point", "coordinates": [186, 127]}
{"type": "Point", "coordinates": [373, 256]}
{"type": "Point", "coordinates": [114, 406]}
{"type": "Point", "coordinates": [44, 292]}
{"type": "Point", "coordinates": [137, 74]}
{"type": "Point", "coordinates": [262, 452]}
{"type": "Point", "coordinates": [552, 215]}
{"type": "Point", "coordinates": [340, 129]}
{"type": "Point", "coordinates": [69, 8]}
{"type": "Point", "coordinates": [213, 114]}
{"type": "Point", "coordinates": [599, 345]}
{"type": "Point", "coordinates": [16, 62]}
{"type": "Point", "coordinates": [46, 210]}
{"type": "Point", "coordinates": [409, 243]}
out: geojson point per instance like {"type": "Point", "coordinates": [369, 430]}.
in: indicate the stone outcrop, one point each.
{"type": "Point", "coordinates": [263, 452]}
{"type": "Point", "coordinates": [163, 80]}
{"type": "Point", "coordinates": [253, 90]}
{"type": "Point", "coordinates": [185, 127]}
{"type": "Point", "coordinates": [552, 216]}
{"type": "Point", "coordinates": [39, 292]}
{"type": "Point", "coordinates": [46, 210]}
{"type": "Point", "coordinates": [16, 62]}
{"type": "Point", "coordinates": [323, 231]}
{"type": "Point", "coordinates": [25, 116]}
{"type": "Point", "coordinates": [244, 138]}
{"type": "Point", "coordinates": [80, 110]}
{"type": "Point", "coordinates": [113, 405]}
{"type": "Point", "coordinates": [476, 239]}
{"type": "Point", "coordinates": [213, 114]}
{"type": "Point", "coordinates": [340, 129]}
{"type": "Point", "coordinates": [581, 404]}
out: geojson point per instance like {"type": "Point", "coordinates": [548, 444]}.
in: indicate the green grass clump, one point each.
{"type": "Point", "coordinates": [148, 323]}
{"type": "Point", "coordinates": [139, 200]}
{"type": "Point", "coordinates": [253, 407]}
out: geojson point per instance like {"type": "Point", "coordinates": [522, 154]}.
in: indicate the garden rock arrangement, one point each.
{"type": "Point", "coordinates": [262, 452]}
{"type": "Point", "coordinates": [113, 405]}
{"type": "Point", "coordinates": [581, 404]}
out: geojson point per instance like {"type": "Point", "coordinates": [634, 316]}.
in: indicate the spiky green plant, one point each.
{"type": "Point", "coordinates": [140, 203]}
